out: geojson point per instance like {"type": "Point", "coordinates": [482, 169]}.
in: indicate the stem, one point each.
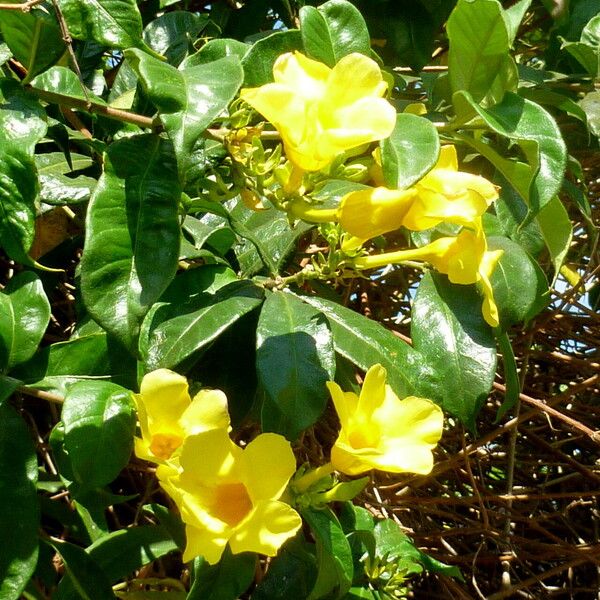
{"type": "Point", "coordinates": [388, 258]}
{"type": "Point", "coordinates": [311, 477]}
{"type": "Point", "coordinates": [54, 398]}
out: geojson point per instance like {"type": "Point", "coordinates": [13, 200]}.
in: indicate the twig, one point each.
{"type": "Point", "coordinates": [23, 7]}
{"type": "Point", "coordinates": [49, 396]}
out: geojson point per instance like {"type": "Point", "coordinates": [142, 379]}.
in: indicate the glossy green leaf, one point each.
{"type": "Point", "coordinates": [187, 100]}
{"type": "Point", "coordinates": [365, 342]}
{"type": "Point", "coordinates": [267, 237]}
{"type": "Point", "coordinates": [58, 186]}
{"type": "Point", "coordinates": [294, 359]}
{"type": "Point", "coordinates": [111, 23]}
{"type": "Point", "coordinates": [479, 45]}
{"type": "Point", "coordinates": [513, 16]}
{"type": "Point", "coordinates": [411, 150]}
{"type": "Point", "coordinates": [7, 386]}
{"type": "Point", "coordinates": [448, 329]}
{"type": "Point", "coordinates": [590, 104]}
{"type": "Point", "coordinates": [226, 580]}
{"type": "Point", "coordinates": [24, 316]}
{"type": "Point", "coordinates": [259, 60]}
{"type": "Point", "coordinates": [528, 124]}
{"type": "Point", "coordinates": [217, 49]}
{"type": "Point", "coordinates": [18, 190]}
{"type": "Point", "coordinates": [122, 552]}
{"type": "Point", "coordinates": [511, 375]}
{"type": "Point", "coordinates": [60, 80]}
{"type": "Point", "coordinates": [83, 572]}
{"type": "Point", "coordinates": [99, 422]}
{"type": "Point", "coordinates": [22, 118]}
{"type": "Point", "coordinates": [291, 575]}
{"type": "Point", "coordinates": [557, 231]}
{"type": "Point", "coordinates": [173, 33]}
{"type": "Point", "coordinates": [587, 50]}
{"type": "Point", "coordinates": [132, 235]}
{"type": "Point", "coordinates": [19, 509]}
{"type": "Point", "coordinates": [334, 557]}
{"type": "Point", "coordinates": [333, 30]}
{"type": "Point", "coordinates": [34, 38]}
{"type": "Point", "coordinates": [210, 230]}
{"type": "Point", "coordinates": [520, 286]}
{"type": "Point", "coordinates": [177, 330]}
{"type": "Point", "coordinates": [56, 367]}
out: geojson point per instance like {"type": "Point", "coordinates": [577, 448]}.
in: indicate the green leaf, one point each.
{"type": "Point", "coordinates": [132, 235]}
{"type": "Point", "coordinates": [24, 316]}
{"type": "Point", "coordinates": [334, 30]}
{"type": "Point", "coordinates": [111, 23]}
{"type": "Point", "coordinates": [334, 557]}
{"type": "Point", "coordinates": [226, 580]}
{"type": "Point", "coordinates": [259, 60]}
{"type": "Point", "coordinates": [448, 329]}
{"type": "Point", "coordinates": [122, 552]}
{"type": "Point", "coordinates": [587, 50]}
{"type": "Point", "coordinates": [513, 17]}
{"type": "Point", "coordinates": [60, 80]}
{"type": "Point", "coordinates": [34, 38]}
{"type": "Point", "coordinates": [479, 45]}
{"type": "Point", "coordinates": [94, 356]}
{"type": "Point", "coordinates": [173, 332]}
{"type": "Point", "coordinates": [7, 386]}
{"type": "Point", "coordinates": [172, 34]}
{"type": "Point", "coordinates": [18, 191]}
{"type": "Point", "coordinates": [590, 104]}
{"type": "Point", "coordinates": [83, 572]}
{"type": "Point", "coordinates": [294, 359]}
{"type": "Point", "coordinates": [365, 342]}
{"type": "Point", "coordinates": [520, 286]}
{"type": "Point", "coordinates": [291, 575]}
{"type": "Point", "coordinates": [58, 187]}
{"type": "Point", "coordinates": [411, 150]}
{"type": "Point", "coordinates": [99, 425]}
{"type": "Point", "coordinates": [187, 100]}
{"type": "Point", "coordinates": [511, 375]}
{"type": "Point", "coordinates": [557, 232]}
{"type": "Point", "coordinates": [529, 125]}
{"type": "Point", "coordinates": [217, 49]}
{"type": "Point", "coordinates": [19, 508]}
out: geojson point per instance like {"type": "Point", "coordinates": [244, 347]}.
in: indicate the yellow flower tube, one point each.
{"type": "Point", "coordinates": [229, 495]}
{"type": "Point", "coordinates": [322, 112]}
{"type": "Point", "coordinates": [464, 258]}
{"type": "Point", "coordinates": [380, 431]}
{"type": "Point", "coordinates": [167, 414]}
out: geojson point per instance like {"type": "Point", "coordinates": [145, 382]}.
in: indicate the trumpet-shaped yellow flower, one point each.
{"type": "Point", "coordinates": [167, 414]}
{"type": "Point", "coordinates": [464, 258]}
{"type": "Point", "coordinates": [227, 495]}
{"type": "Point", "coordinates": [444, 194]}
{"type": "Point", "coordinates": [322, 112]}
{"type": "Point", "coordinates": [380, 431]}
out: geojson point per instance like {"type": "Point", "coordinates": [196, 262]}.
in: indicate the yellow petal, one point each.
{"type": "Point", "coordinates": [209, 457]}
{"type": "Point", "coordinates": [350, 461]}
{"type": "Point", "coordinates": [165, 396]}
{"type": "Point", "coordinates": [203, 543]}
{"type": "Point", "coordinates": [345, 402]}
{"type": "Point", "coordinates": [372, 212]}
{"type": "Point", "coordinates": [373, 390]}
{"type": "Point", "coordinates": [489, 308]}
{"type": "Point", "coordinates": [266, 466]}
{"type": "Point", "coordinates": [268, 527]}
{"type": "Point", "coordinates": [208, 410]}
{"type": "Point", "coordinates": [353, 78]}
{"type": "Point", "coordinates": [448, 158]}
{"type": "Point", "coordinates": [306, 76]}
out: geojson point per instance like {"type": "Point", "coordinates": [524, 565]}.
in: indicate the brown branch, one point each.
{"type": "Point", "coordinates": [23, 7]}
{"type": "Point", "coordinates": [48, 396]}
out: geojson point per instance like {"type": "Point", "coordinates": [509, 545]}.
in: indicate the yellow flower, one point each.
{"type": "Point", "coordinates": [322, 112]}
{"type": "Point", "coordinates": [229, 495]}
{"type": "Point", "coordinates": [167, 414]}
{"type": "Point", "coordinates": [464, 258]}
{"type": "Point", "coordinates": [444, 194]}
{"type": "Point", "coordinates": [380, 431]}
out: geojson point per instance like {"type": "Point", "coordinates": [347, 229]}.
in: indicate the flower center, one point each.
{"type": "Point", "coordinates": [363, 438]}
{"type": "Point", "coordinates": [231, 503]}
{"type": "Point", "coordinates": [164, 444]}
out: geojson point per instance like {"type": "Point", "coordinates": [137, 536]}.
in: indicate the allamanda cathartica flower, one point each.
{"type": "Point", "coordinates": [229, 495]}
{"type": "Point", "coordinates": [167, 414]}
{"type": "Point", "coordinates": [380, 431]}
{"type": "Point", "coordinates": [464, 258]}
{"type": "Point", "coordinates": [443, 194]}
{"type": "Point", "coordinates": [322, 112]}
